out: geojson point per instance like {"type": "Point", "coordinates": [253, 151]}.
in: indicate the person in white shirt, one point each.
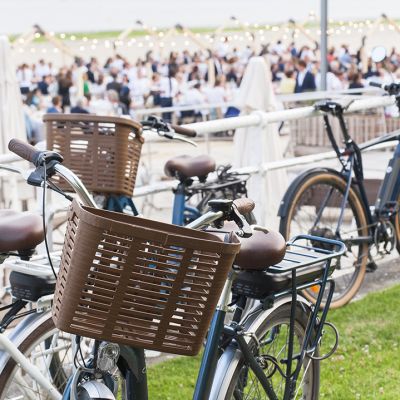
{"type": "Point", "coordinates": [42, 69]}
{"type": "Point", "coordinates": [140, 89]}
{"type": "Point", "coordinates": [192, 97]}
{"type": "Point", "coordinates": [217, 95]}
{"type": "Point", "coordinates": [24, 77]}
{"type": "Point", "coordinates": [168, 91]}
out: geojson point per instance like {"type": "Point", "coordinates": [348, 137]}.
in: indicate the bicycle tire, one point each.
{"type": "Point", "coordinates": [234, 383]}
{"type": "Point", "coordinates": [58, 369]}
{"type": "Point", "coordinates": [396, 223]}
{"type": "Point", "coordinates": [348, 279]}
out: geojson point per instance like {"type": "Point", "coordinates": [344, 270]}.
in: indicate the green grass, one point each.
{"type": "Point", "coordinates": [365, 366]}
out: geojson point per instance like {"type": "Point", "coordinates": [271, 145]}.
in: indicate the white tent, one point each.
{"type": "Point", "coordinates": [257, 145]}
{"type": "Point", "coordinates": [12, 122]}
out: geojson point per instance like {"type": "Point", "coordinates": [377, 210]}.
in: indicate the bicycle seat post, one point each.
{"type": "Point", "coordinates": [343, 127]}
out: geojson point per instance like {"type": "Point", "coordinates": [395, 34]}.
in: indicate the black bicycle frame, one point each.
{"type": "Point", "coordinates": [386, 203]}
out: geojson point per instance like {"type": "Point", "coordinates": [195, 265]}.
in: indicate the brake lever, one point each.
{"type": "Point", "coordinates": [240, 220]}
{"type": "Point", "coordinates": [184, 139]}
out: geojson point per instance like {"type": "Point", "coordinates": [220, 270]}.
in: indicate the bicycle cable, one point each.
{"type": "Point", "coordinates": [44, 220]}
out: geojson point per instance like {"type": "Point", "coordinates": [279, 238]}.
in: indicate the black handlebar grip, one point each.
{"type": "Point", "coordinates": [244, 205]}
{"type": "Point", "coordinates": [184, 131]}
{"type": "Point", "coordinates": [24, 150]}
{"type": "Point", "coordinates": [376, 84]}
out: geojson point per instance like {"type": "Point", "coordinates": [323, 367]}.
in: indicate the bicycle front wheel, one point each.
{"type": "Point", "coordinates": [315, 208]}
{"type": "Point", "coordinates": [51, 351]}
{"type": "Point", "coordinates": [272, 334]}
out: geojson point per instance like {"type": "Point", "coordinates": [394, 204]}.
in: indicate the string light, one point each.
{"type": "Point", "coordinates": [249, 33]}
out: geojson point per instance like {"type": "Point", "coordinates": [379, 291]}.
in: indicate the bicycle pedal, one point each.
{"type": "Point", "coordinates": [371, 266]}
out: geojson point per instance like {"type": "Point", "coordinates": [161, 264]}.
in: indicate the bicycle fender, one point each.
{"type": "Point", "coordinates": [294, 186]}
{"type": "Point", "coordinates": [232, 355]}
{"type": "Point", "coordinates": [23, 329]}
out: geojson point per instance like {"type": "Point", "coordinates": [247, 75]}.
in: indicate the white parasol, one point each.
{"type": "Point", "coordinates": [254, 146]}
{"type": "Point", "coordinates": [12, 123]}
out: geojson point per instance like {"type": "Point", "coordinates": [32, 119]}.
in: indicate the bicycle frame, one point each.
{"type": "Point", "coordinates": [181, 210]}
{"type": "Point", "coordinates": [210, 357]}
{"type": "Point", "coordinates": [385, 205]}
{"type": "Point", "coordinates": [183, 213]}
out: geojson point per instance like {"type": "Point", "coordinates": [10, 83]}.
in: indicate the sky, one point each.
{"type": "Point", "coordinates": [17, 16]}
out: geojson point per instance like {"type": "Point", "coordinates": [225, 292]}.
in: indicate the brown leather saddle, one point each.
{"type": "Point", "coordinates": [260, 251]}
{"type": "Point", "coordinates": [184, 167]}
{"type": "Point", "coordinates": [19, 231]}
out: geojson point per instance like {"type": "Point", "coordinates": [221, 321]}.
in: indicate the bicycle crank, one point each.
{"type": "Point", "coordinates": [385, 237]}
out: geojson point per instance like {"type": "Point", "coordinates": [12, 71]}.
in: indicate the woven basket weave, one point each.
{"type": "Point", "coordinates": [103, 151]}
{"type": "Point", "coordinates": [143, 283]}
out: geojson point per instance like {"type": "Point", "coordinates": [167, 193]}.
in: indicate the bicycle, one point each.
{"type": "Point", "coordinates": [193, 191]}
{"type": "Point", "coordinates": [262, 270]}
{"type": "Point", "coordinates": [334, 204]}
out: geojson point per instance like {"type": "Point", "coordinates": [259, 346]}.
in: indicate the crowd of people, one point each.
{"type": "Point", "coordinates": [122, 86]}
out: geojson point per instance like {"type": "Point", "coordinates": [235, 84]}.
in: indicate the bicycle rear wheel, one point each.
{"type": "Point", "coordinates": [314, 208]}
{"type": "Point", "coordinates": [272, 332]}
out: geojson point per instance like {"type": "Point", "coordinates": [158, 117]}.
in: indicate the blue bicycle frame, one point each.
{"type": "Point", "coordinates": [182, 212]}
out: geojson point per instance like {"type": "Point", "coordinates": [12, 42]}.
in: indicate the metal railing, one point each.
{"type": "Point", "coordinates": [258, 118]}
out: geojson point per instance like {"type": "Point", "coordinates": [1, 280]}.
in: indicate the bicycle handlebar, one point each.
{"type": "Point", "coordinates": [244, 205]}
{"type": "Point", "coordinates": [392, 88]}
{"type": "Point", "coordinates": [25, 151]}
{"type": "Point", "coordinates": [184, 131]}
{"type": "Point", "coordinates": [159, 125]}
{"type": "Point", "coordinates": [376, 84]}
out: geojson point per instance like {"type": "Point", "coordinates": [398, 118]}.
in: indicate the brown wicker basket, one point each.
{"type": "Point", "coordinates": [143, 283]}
{"type": "Point", "coordinates": [103, 151]}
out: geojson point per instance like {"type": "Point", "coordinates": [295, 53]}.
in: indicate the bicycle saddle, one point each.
{"type": "Point", "coordinates": [260, 251]}
{"type": "Point", "coordinates": [19, 230]}
{"type": "Point", "coordinates": [183, 167]}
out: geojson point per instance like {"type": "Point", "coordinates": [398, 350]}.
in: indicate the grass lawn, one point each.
{"type": "Point", "coordinates": [365, 366]}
